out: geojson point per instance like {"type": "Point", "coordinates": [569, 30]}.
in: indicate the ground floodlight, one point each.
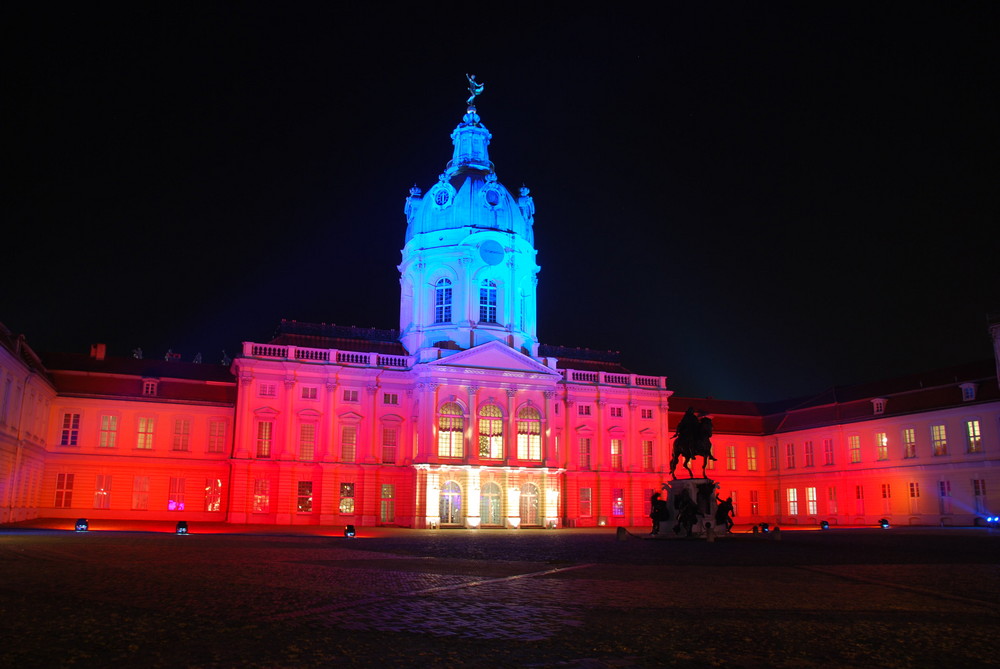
{"type": "Point", "coordinates": [82, 525]}
{"type": "Point", "coordinates": [883, 523]}
{"type": "Point", "coordinates": [765, 528]}
{"type": "Point", "coordinates": [824, 525]}
{"type": "Point", "coordinates": [182, 527]}
{"type": "Point", "coordinates": [349, 531]}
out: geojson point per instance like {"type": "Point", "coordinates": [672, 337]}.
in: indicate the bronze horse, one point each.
{"type": "Point", "coordinates": [691, 440]}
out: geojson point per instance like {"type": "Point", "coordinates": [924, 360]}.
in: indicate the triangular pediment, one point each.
{"type": "Point", "coordinates": [497, 356]}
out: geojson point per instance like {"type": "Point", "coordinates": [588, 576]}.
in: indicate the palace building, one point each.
{"type": "Point", "coordinates": [462, 418]}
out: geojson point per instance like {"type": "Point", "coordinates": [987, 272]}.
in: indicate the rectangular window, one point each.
{"type": "Point", "coordinates": [909, 443]}
{"type": "Point", "coordinates": [828, 451]}
{"type": "Point", "coordinates": [347, 498]}
{"type": "Point", "coordinates": [265, 438]}
{"type": "Point", "coordinates": [348, 443]}
{"type": "Point", "coordinates": [350, 395]}
{"type": "Point", "coordinates": [616, 412]}
{"type": "Point", "coordinates": [390, 439]}
{"type": "Point", "coordinates": [144, 437]}
{"type": "Point", "coordinates": [914, 489]}
{"type": "Point", "coordinates": [881, 446]}
{"type": "Point", "coordinates": [583, 409]}
{"type": "Point", "coordinates": [109, 432]}
{"type": "Point", "coordinates": [267, 390]}
{"type": "Point", "coordinates": [751, 458]}
{"type": "Point", "coordinates": [586, 503]}
{"type": "Point", "coordinates": [387, 504]}
{"type": "Point", "coordinates": [182, 434]}
{"type": "Point", "coordinates": [175, 498]}
{"type": "Point", "coordinates": [939, 440]}
{"type": "Point", "coordinates": [213, 494]}
{"type": "Point", "coordinates": [979, 495]}
{"type": "Point", "coordinates": [647, 455]}
{"type": "Point", "coordinates": [772, 456]}
{"type": "Point", "coordinates": [859, 500]}
{"type": "Point", "coordinates": [304, 497]}
{"type": "Point", "coordinates": [309, 392]}
{"type": "Point", "coordinates": [831, 500]}
{"type": "Point", "coordinates": [754, 503]}
{"type": "Point", "coordinates": [807, 454]}
{"type": "Point", "coordinates": [617, 501]}
{"type": "Point", "coordinates": [584, 453]}
{"type": "Point", "coordinates": [944, 494]}
{"type": "Point", "coordinates": [70, 430]}
{"type": "Point", "coordinates": [854, 448]}
{"type": "Point", "coordinates": [216, 436]}
{"type": "Point", "coordinates": [149, 388]}
{"type": "Point", "coordinates": [886, 498]}
{"type": "Point", "coordinates": [392, 399]}
{"type": "Point", "coordinates": [974, 440]}
{"type": "Point", "coordinates": [616, 455]}
{"type": "Point", "coordinates": [261, 495]}
{"type": "Point", "coordinates": [793, 501]}
{"type": "Point", "coordinates": [731, 457]}
{"type": "Point", "coordinates": [102, 491]}
{"type": "Point", "coordinates": [307, 441]}
{"type": "Point", "coordinates": [812, 506]}
{"type": "Point", "coordinates": [64, 491]}
{"type": "Point", "coordinates": [646, 414]}
{"type": "Point", "coordinates": [789, 456]}
{"type": "Point", "coordinates": [140, 493]}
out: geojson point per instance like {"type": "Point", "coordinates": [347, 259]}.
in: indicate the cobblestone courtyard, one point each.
{"type": "Point", "coordinates": [534, 598]}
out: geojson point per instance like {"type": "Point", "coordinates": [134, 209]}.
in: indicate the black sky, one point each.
{"type": "Point", "coordinates": [756, 199]}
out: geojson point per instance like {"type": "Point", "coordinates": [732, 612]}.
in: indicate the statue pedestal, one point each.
{"type": "Point", "coordinates": [691, 508]}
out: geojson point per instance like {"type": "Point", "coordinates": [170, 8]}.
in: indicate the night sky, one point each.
{"type": "Point", "coordinates": [758, 200]}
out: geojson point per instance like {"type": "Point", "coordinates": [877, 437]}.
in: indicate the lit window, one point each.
{"type": "Point", "coordinates": [529, 434]}
{"type": "Point", "coordinates": [939, 440]}
{"type": "Point", "coordinates": [586, 503]}
{"type": "Point", "coordinates": [881, 446]}
{"type": "Point", "coordinates": [304, 497]}
{"type": "Point", "coordinates": [968, 391]}
{"type": "Point", "coordinates": [64, 491]}
{"type": "Point", "coordinates": [213, 494]}
{"type": "Point", "coordinates": [451, 431]}
{"type": "Point", "coordinates": [731, 457]}
{"type": "Point", "coordinates": [265, 438]}
{"type": "Point", "coordinates": [140, 493]}
{"type": "Point", "coordinates": [216, 436]}
{"type": "Point", "coordinates": [807, 454]}
{"type": "Point", "coordinates": [348, 443]}
{"type": "Point", "coordinates": [261, 495]}
{"type": "Point", "coordinates": [109, 432]}
{"type": "Point", "coordinates": [102, 491]}
{"type": "Point", "coordinates": [617, 501]}
{"type": "Point", "coordinates": [812, 507]}
{"type": "Point", "coordinates": [488, 302]}
{"type": "Point", "coordinates": [182, 434]}
{"type": "Point", "coordinates": [347, 498]}
{"type": "Point", "coordinates": [490, 432]}
{"type": "Point", "coordinates": [584, 453]}
{"type": "Point", "coordinates": [647, 455]}
{"type": "Point", "coordinates": [390, 438]}
{"type": "Point", "coordinates": [70, 430]}
{"type": "Point", "coordinates": [793, 501]}
{"type": "Point", "coordinates": [442, 301]}
{"type": "Point", "coordinates": [387, 503]}
{"type": "Point", "coordinates": [909, 442]}
{"type": "Point", "coordinates": [307, 441]}
{"type": "Point", "coordinates": [751, 458]}
{"type": "Point", "coordinates": [973, 436]}
{"type": "Point", "coordinates": [854, 447]}
{"type": "Point", "coordinates": [754, 503]}
{"type": "Point", "coordinates": [144, 438]}
{"type": "Point", "coordinates": [616, 455]}
{"type": "Point", "coordinates": [175, 498]}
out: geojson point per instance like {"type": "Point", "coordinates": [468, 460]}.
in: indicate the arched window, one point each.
{"type": "Point", "coordinates": [442, 301]}
{"type": "Point", "coordinates": [451, 429]}
{"type": "Point", "coordinates": [491, 505]}
{"type": "Point", "coordinates": [451, 503]}
{"type": "Point", "coordinates": [488, 302]}
{"type": "Point", "coordinates": [490, 432]}
{"type": "Point", "coordinates": [530, 511]}
{"type": "Point", "coordinates": [529, 434]}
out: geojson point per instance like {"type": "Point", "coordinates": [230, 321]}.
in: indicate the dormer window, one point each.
{"type": "Point", "coordinates": [968, 391]}
{"type": "Point", "coordinates": [878, 405]}
{"type": "Point", "coordinates": [150, 387]}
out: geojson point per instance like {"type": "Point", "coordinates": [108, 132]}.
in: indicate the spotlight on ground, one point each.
{"type": "Point", "coordinates": [182, 527]}
{"type": "Point", "coordinates": [824, 525]}
{"type": "Point", "coordinates": [883, 523]}
{"type": "Point", "coordinates": [82, 525]}
{"type": "Point", "coordinates": [349, 531]}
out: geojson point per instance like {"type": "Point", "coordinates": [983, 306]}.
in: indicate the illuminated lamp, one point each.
{"type": "Point", "coordinates": [765, 528]}
{"type": "Point", "coordinates": [349, 531]}
{"type": "Point", "coordinates": [824, 524]}
{"type": "Point", "coordinates": [182, 527]}
{"type": "Point", "coordinates": [82, 525]}
{"type": "Point", "coordinates": [883, 523]}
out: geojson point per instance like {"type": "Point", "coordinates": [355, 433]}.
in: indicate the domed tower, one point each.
{"type": "Point", "coordinates": [468, 272]}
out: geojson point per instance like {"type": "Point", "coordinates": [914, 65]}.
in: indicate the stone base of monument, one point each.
{"type": "Point", "coordinates": [691, 508]}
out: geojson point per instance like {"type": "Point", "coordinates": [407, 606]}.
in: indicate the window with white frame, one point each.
{"type": "Point", "coordinates": [213, 494]}
{"type": "Point", "coordinates": [854, 448]}
{"type": "Point", "coordinates": [807, 454]}
{"type": "Point", "coordinates": [586, 502]}
{"type": "Point", "coordinates": [646, 414]}
{"type": "Point", "coordinates": [390, 442]}
{"type": "Point", "coordinates": [144, 434]}
{"type": "Point", "coordinates": [390, 399]}
{"type": "Point", "coordinates": [182, 434]}
{"type": "Point", "coordinates": [617, 412]}
{"type": "Point", "coordinates": [387, 503]}
{"type": "Point", "coordinates": [307, 441]}
{"type": "Point", "coordinates": [529, 434]}
{"type": "Point", "coordinates": [175, 494]}
{"type": "Point", "coordinates": [939, 440]}
{"type": "Point", "coordinates": [914, 490]}
{"type": "Point", "coordinates": [751, 458]}
{"type": "Point", "coordinates": [584, 445]}
{"type": "Point", "coordinates": [488, 302]}
{"type": "Point", "coordinates": [859, 500]}
{"type": "Point", "coordinates": [350, 395]}
{"type": "Point", "coordinates": [64, 491]}
{"type": "Point", "coordinates": [261, 495]}
{"type": "Point", "coordinates": [102, 491]}
{"type": "Point", "coordinates": [831, 500]}
{"type": "Point", "coordinates": [70, 435]}
{"type": "Point", "coordinates": [909, 442]}
{"type": "Point", "coordinates": [754, 503]}
{"type": "Point", "coordinates": [974, 438]}
{"type": "Point", "coordinates": [348, 443]}
{"type": "Point", "coordinates": [790, 456]}
{"type": "Point", "coordinates": [772, 456]}
{"type": "Point", "coordinates": [442, 301]}
{"type": "Point", "coordinates": [812, 506]}
{"type": "Point", "coordinates": [647, 455]}
{"type": "Point", "coordinates": [616, 455]}
{"type": "Point", "coordinates": [792, 495]}
{"type": "Point", "coordinates": [731, 457]}
{"type": "Point", "coordinates": [451, 431]}
{"type": "Point", "coordinates": [583, 409]}
{"type": "Point", "coordinates": [618, 502]}
{"type": "Point", "coordinates": [109, 432]}
{"type": "Point", "coordinates": [216, 436]}
{"type": "Point", "coordinates": [265, 438]}
{"type": "Point", "coordinates": [140, 493]}
{"type": "Point", "coordinates": [310, 392]}
{"type": "Point", "coordinates": [944, 496]}
{"type": "Point", "coordinates": [828, 451]}
{"type": "Point", "coordinates": [979, 495]}
{"type": "Point", "coordinates": [886, 498]}
{"type": "Point", "coordinates": [346, 498]}
{"type": "Point", "coordinates": [490, 432]}
{"type": "Point", "coordinates": [267, 389]}
{"type": "Point", "coordinates": [881, 446]}
{"type": "Point", "coordinates": [304, 497]}
{"type": "Point", "coordinates": [150, 387]}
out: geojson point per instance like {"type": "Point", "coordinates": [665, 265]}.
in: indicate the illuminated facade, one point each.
{"type": "Point", "coordinates": [462, 418]}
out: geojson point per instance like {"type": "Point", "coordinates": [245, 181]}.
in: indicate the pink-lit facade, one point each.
{"type": "Point", "coordinates": [462, 418]}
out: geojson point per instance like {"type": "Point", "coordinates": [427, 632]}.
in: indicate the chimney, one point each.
{"type": "Point", "coordinates": [97, 351]}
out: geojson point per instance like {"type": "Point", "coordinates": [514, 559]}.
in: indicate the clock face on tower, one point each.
{"type": "Point", "coordinates": [491, 252]}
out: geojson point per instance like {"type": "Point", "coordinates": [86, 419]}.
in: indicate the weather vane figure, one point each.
{"type": "Point", "coordinates": [475, 88]}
